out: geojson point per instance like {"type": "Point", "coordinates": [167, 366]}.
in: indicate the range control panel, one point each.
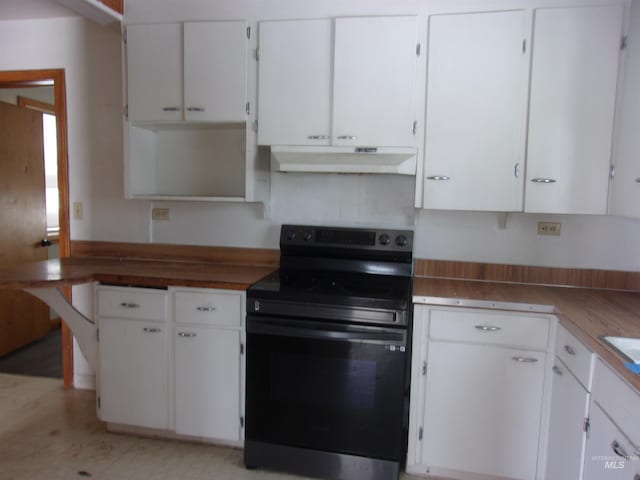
{"type": "Point", "coordinates": [356, 238]}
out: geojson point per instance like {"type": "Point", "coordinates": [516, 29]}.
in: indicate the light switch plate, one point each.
{"type": "Point", "coordinates": [160, 214]}
{"type": "Point", "coordinates": [549, 228]}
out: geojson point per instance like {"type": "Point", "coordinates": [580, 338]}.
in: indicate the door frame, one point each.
{"type": "Point", "coordinates": [55, 78]}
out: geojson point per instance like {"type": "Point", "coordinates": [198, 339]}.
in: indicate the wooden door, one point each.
{"type": "Point", "coordinates": [23, 319]}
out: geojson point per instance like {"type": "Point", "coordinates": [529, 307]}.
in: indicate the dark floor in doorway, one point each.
{"type": "Point", "coordinates": [39, 359]}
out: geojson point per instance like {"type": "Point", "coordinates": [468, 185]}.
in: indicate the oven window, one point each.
{"type": "Point", "coordinates": [322, 382]}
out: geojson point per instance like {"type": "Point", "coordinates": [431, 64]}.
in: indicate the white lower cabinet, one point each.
{"type": "Point", "coordinates": [478, 403]}
{"type": "Point", "coordinates": [207, 382]}
{"type": "Point", "coordinates": [193, 385]}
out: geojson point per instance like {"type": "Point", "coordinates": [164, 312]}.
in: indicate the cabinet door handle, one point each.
{"type": "Point", "coordinates": [318, 137]}
{"type": "Point", "coordinates": [557, 370]}
{"type": "Point", "coordinates": [187, 334]}
{"type": "Point", "coordinates": [195, 109]}
{"type": "Point", "coordinates": [524, 359]}
{"type": "Point", "coordinates": [129, 305]}
{"type": "Point", "coordinates": [206, 309]}
{"type": "Point", "coordinates": [543, 180]}
{"type": "Point", "coordinates": [170, 109]}
{"type": "Point", "coordinates": [516, 170]}
{"type": "Point", "coordinates": [488, 328]}
{"type": "Point", "coordinates": [618, 450]}
{"type": "Point", "coordinates": [151, 330]}
{"type": "Point", "coordinates": [347, 137]}
{"type": "Point", "coordinates": [438, 177]}
{"type": "Point", "coordinates": [569, 349]}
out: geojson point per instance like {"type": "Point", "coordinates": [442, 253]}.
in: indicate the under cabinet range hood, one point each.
{"type": "Point", "coordinates": [334, 159]}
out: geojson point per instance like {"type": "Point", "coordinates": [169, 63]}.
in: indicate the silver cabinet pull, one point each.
{"type": "Point", "coordinates": [129, 305]}
{"type": "Point", "coordinates": [488, 328]}
{"type": "Point", "coordinates": [195, 109]}
{"type": "Point", "coordinates": [170, 109]}
{"type": "Point", "coordinates": [516, 170]}
{"type": "Point", "coordinates": [187, 334]}
{"type": "Point", "coordinates": [438, 177]}
{"type": "Point", "coordinates": [151, 330]}
{"type": "Point", "coordinates": [206, 309]}
{"type": "Point", "coordinates": [557, 370]}
{"type": "Point", "coordinates": [347, 137]}
{"type": "Point", "coordinates": [524, 359]}
{"type": "Point", "coordinates": [543, 180]}
{"type": "Point", "coordinates": [318, 137]}
{"type": "Point", "coordinates": [569, 349]}
{"type": "Point", "coordinates": [618, 450]}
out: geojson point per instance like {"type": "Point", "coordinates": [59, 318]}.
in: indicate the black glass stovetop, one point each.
{"type": "Point", "coordinates": [335, 288]}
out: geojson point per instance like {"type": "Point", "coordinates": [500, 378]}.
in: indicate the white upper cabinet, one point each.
{"type": "Point", "coordinates": [374, 81]}
{"type": "Point", "coordinates": [295, 82]}
{"type": "Point", "coordinates": [348, 81]}
{"type": "Point", "coordinates": [476, 100]}
{"type": "Point", "coordinates": [208, 59]}
{"type": "Point", "coordinates": [154, 71]}
{"type": "Point", "coordinates": [572, 99]}
{"type": "Point", "coordinates": [625, 198]}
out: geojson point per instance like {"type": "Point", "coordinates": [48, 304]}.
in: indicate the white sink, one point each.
{"type": "Point", "coordinates": [630, 347]}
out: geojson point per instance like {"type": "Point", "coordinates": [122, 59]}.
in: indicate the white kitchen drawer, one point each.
{"type": "Point", "coordinates": [133, 303]}
{"type": "Point", "coordinates": [618, 399]}
{"type": "Point", "coordinates": [578, 358]}
{"type": "Point", "coordinates": [215, 307]}
{"type": "Point", "coordinates": [498, 328]}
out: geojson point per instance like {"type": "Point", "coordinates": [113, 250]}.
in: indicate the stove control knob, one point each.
{"type": "Point", "coordinates": [384, 239]}
{"type": "Point", "coordinates": [401, 240]}
{"type": "Point", "coordinates": [291, 235]}
{"type": "Point", "coordinates": [307, 236]}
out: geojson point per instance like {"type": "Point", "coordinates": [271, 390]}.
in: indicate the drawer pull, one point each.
{"type": "Point", "coordinates": [347, 137]}
{"type": "Point", "coordinates": [187, 334]}
{"type": "Point", "coordinates": [129, 305]}
{"type": "Point", "coordinates": [151, 330]}
{"type": "Point", "coordinates": [317, 137]}
{"type": "Point", "coordinates": [438, 177]}
{"type": "Point", "coordinates": [488, 328]}
{"type": "Point", "coordinates": [170, 109]}
{"type": "Point", "coordinates": [206, 309]}
{"type": "Point", "coordinates": [569, 349]}
{"type": "Point", "coordinates": [557, 370]}
{"type": "Point", "coordinates": [543, 180]}
{"type": "Point", "coordinates": [524, 359]}
{"type": "Point", "coordinates": [618, 450]}
{"type": "Point", "coordinates": [195, 109]}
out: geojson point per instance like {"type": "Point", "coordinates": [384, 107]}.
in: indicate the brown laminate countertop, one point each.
{"type": "Point", "coordinates": [587, 313]}
{"type": "Point", "coordinates": [149, 273]}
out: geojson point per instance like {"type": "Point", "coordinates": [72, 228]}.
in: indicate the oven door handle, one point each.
{"type": "Point", "coordinates": [357, 335]}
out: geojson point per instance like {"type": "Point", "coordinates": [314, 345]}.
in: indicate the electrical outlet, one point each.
{"type": "Point", "coordinates": [549, 228]}
{"type": "Point", "coordinates": [78, 211]}
{"type": "Point", "coordinates": [160, 214]}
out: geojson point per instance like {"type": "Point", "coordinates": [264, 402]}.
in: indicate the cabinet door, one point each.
{"type": "Point", "coordinates": [207, 382]}
{"type": "Point", "coordinates": [573, 87]}
{"type": "Point", "coordinates": [482, 409]}
{"type": "Point", "coordinates": [154, 72]}
{"type": "Point", "coordinates": [215, 71]}
{"type": "Point", "coordinates": [625, 199]}
{"type": "Point", "coordinates": [374, 81]}
{"type": "Point", "coordinates": [610, 455]}
{"type": "Point", "coordinates": [475, 111]}
{"type": "Point", "coordinates": [569, 404]}
{"type": "Point", "coordinates": [133, 373]}
{"type": "Point", "coordinates": [294, 82]}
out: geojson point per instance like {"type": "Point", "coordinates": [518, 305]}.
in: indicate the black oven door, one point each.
{"type": "Point", "coordinates": [325, 386]}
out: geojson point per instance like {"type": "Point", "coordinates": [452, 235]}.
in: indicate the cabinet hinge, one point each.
{"type": "Point", "coordinates": [586, 425]}
{"type": "Point", "coordinates": [248, 108]}
{"type": "Point", "coordinates": [255, 126]}
{"type": "Point", "coordinates": [623, 43]}
{"type": "Point", "coordinates": [257, 54]}
{"type": "Point", "coordinates": [124, 37]}
{"type": "Point", "coordinates": [424, 368]}
{"type": "Point", "coordinates": [242, 349]}
{"type": "Point", "coordinates": [248, 32]}
{"type": "Point", "coordinates": [99, 403]}
{"type": "Point", "coordinates": [126, 111]}
{"type": "Point", "coordinates": [418, 48]}
{"type": "Point", "coordinates": [98, 335]}
{"type": "Point", "coordinates": [524, 45]}
{"type": "Point", "coordinates": [612, 171]}
{"type": "Point", "coordinates": [420, 433]}
{"type": "Point", "coordinates": [414, 129]}
{"type": "Point", "coordinates": [241, 422]}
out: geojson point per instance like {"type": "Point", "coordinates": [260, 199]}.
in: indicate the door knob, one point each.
{"type": "Point", "coordinates": [45, 242]}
